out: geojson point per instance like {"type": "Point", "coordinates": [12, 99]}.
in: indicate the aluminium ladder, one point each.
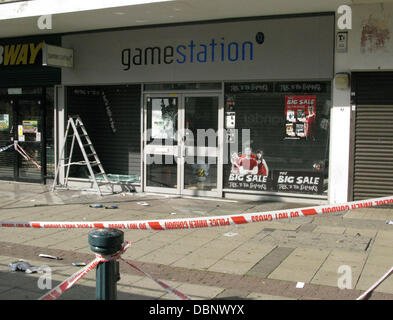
{"type": "Point", "coordinates": [74, 123]}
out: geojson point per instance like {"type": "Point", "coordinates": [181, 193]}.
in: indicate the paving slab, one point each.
{"type": "Point", "coordinates": [314, 239]}
{"type": "Point", "coordinates": [270, 262]}
{"type": "Point", "coordinates": [327, 229]}
{"type": "Point", "coordinates": [301, 265]}
{"type": "Point", "coordinates": [197, 292]}
{"type": "Point", "coordinates": [330, 271]}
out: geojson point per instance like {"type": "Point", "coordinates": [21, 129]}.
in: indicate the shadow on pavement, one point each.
{"type": "Point", "coordinates": [21, 286]}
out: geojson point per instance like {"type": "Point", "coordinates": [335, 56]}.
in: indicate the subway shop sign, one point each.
{"type": "Point", "coordinates": [21, 54]}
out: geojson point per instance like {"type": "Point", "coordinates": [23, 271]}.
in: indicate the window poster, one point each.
{"type": "Point", "coordinates": [298, 182]}
{"type": "Point", "coordinates": [4, 122]}
{"type": "Point", "coordinates": [300, 113]}
{"type": "Point", "coordinates": [249, 171]}
{"type": "Point", "coordinates": [30, 126]}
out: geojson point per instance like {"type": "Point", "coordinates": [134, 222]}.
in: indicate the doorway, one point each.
{"type": "Point", "coordinates": [182, 143]}
{"type": "Point", "coordinates": [22, 120]}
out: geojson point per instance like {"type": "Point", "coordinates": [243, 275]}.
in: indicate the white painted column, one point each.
{"type": "Point", "coordinates": [340, 129]}
{"type": "Point", "coordinates": [60, 128]}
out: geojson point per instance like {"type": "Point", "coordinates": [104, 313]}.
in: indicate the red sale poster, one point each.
{"type": "Point", "coordinates": [300, 113]}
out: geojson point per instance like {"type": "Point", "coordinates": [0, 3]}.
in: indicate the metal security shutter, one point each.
{"type": "Point", "coordinates": [373, 148]}
{"type": "Point", "coordinates": [27, 77]}
{"type": "Point", "coordinates": [118, 151]}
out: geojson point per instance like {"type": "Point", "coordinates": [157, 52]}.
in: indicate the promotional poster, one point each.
{"type": "Point", "coordinates": [4, 122]}
{"type": "Point", "coordinates": [300, 113]}
{"type": "Point", "coordinates": [250, 171]}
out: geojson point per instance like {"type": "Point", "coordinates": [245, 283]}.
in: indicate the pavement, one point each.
{"type": "Point", "coordinates": [258, 261]}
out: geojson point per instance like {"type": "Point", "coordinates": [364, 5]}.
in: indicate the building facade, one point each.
{"type": "Point", "coordinates": [290, 107]}
{"type": "Point", "coordinates": [27, 108]}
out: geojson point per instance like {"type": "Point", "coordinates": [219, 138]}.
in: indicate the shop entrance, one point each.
{"type": "Point", "coordinates": [182, 153]}
{"type": "Point", "coordinates": [22, 120]}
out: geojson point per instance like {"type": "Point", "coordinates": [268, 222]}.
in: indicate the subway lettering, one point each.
{"type": "Point", "coordinates": [19, 54]}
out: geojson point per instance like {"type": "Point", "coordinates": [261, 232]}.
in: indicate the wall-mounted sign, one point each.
{"type": "Point", "coordinates": [342, 42]}
{"type": "Point", "coordinates": [231, 51]}
{"type": "Point", "coordinates": [24, 53]}
{"type": "Point", "coordinates": [55, 56]}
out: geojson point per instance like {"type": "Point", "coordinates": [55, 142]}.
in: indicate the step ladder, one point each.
{"type": "Point", "coordinates": [89, 155]}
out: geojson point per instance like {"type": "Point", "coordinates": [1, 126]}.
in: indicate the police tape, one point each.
{"type": "Point", "coordinates": [6, 147]}
{"type": "Point", "coordinates": [366, 294]}
{"type": "Point", "coordinates": [56, 292]}
{"type": "Point", "coordinates": [25, 155]}
{"type": "Point", "coordinates": [175, 292]}
{"type": "Point", "coordinates": [206, 222]}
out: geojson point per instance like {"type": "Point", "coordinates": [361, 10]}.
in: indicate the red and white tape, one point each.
{"type": "Point", "coordinates": [206, 222]}
{"type": "Point", "coordinates": [69, 282]}
{"type": "Point", "coordinates": [169, 289]}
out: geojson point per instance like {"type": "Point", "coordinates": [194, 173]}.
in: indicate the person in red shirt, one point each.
{"type": "Point", "coordinates": [262, 165]}
{"type": "Point", "coordinates": [310, 120]}
{"type": "Point", "coordinates": [248, 163]}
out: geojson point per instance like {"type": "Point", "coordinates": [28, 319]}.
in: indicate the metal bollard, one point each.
{"type": "Point", "coordinates": [106, 242]}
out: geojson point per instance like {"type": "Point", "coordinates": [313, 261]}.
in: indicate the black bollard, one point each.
{"type": "Point", "coordinates": [106, 242]}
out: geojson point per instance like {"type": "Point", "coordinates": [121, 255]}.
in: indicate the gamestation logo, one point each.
{"type": "Point", "coordinates": [192, 52]}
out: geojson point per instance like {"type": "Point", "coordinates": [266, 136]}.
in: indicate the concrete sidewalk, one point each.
{"type": "Point", "coordinates": [264, 260]}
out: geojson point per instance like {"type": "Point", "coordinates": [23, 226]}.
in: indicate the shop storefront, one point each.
{"type": "Point", "coordinates": [219, 109]}
{"type": "Point", "coordinates": [26, 109]}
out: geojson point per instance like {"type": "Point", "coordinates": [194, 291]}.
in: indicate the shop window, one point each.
{"type": "Point", "coordinates": [277, 137]}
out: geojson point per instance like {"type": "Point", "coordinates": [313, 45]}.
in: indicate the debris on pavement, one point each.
{"type": "Point", "coordinates": [49, 256]}
{"type": "Point", "coordinates": [230, 234]}
{"type": "Point", "coordinates": [23, 266]}
{"type": "Point", "coordinates": [389, 221]}
{"type": "Point", "coordinates": [79, 264]}
{"type": "Point", "coordinates": [96, 206]}
{"type": "Point", "coordinates": [111, 207]}
{"type": "Point", "coordinates": [300, 285]}
{"type": "Point", "coordinates": [142, 203]}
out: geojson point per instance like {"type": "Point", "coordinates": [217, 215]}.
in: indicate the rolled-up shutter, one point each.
{"type": "Point", "coordinates": [373, 149]}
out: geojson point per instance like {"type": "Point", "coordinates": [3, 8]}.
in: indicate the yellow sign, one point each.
{"type": "Point", "coordinates": [19, 54]}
